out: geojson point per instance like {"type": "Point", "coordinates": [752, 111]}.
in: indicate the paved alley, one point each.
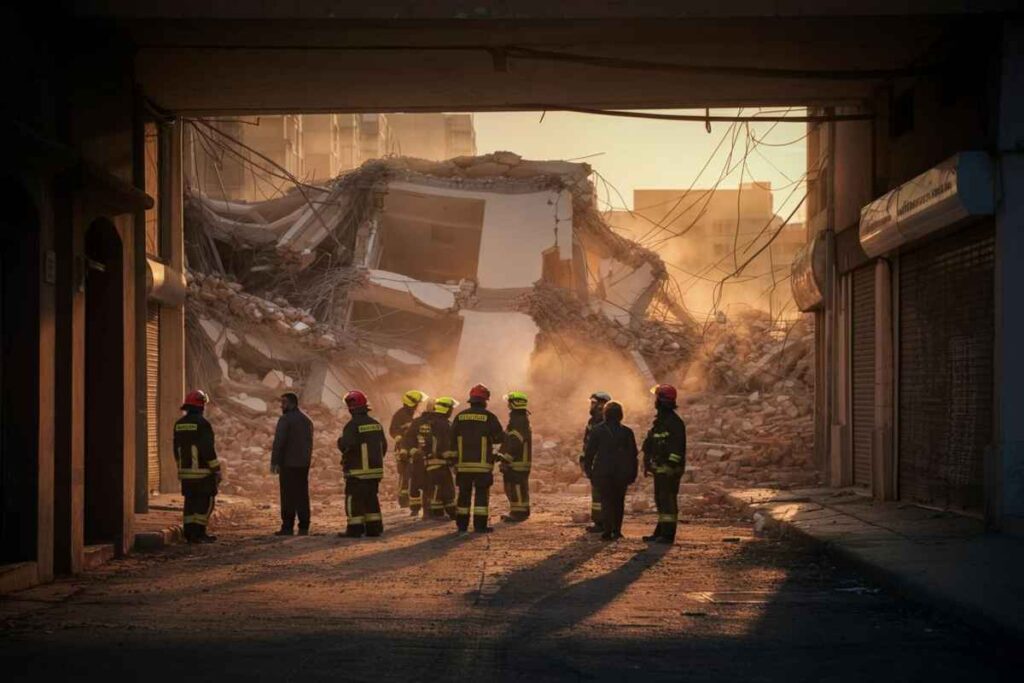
{"type": "Point", "coordinates": [539, 601]}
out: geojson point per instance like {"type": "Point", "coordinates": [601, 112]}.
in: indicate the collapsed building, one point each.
{"type": "Point", "coordinates": [406, 270]}
{"type": "Point", "coordinates": [438, 275]}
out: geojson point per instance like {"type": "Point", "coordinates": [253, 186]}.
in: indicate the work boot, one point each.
{"type": "Point", "coordinates": [460, 531]}
{"type": "Point", "coordinates": [348, 533]}
{"type": "Point", "coordinates": [595, 529]}
{"type": "Point", "coordinates": [414, 512]}
{"type": "Point", "coordinates": [653, 538]}
{"type": "Point", "coordinates": [509, 519]}
{"type": "Point", "coordinates": [283, 532]}
{"type": "Point", "coordinates": [665, 540]}
{"type": "Point", "coordinates": [607, 536]}
{"type": "Point", "coordinates": [205, 538]}
{"type": "Point", "coordinates": [484, 530]}
{"type": "Point", "coordinates": [303, 531]}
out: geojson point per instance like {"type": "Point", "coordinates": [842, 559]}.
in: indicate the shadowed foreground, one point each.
{"type": "Point", "coordinates": [540, 601]}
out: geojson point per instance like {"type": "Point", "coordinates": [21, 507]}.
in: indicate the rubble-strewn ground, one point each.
{"type": "Point", "coordinates": [540, 601]}
{"type": "Point", "coordinates": [747, 406]}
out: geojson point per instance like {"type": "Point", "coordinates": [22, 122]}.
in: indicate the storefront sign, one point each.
{"type": "Point", "coordinates": [957, 188]}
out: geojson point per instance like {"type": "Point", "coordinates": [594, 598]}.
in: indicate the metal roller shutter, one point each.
{"type": "Point", "coordinates": [946, 327]}
{"type": "Point", "coordinates": [153, 396]}
{"type": "Point", "coordinates": [862, 340]}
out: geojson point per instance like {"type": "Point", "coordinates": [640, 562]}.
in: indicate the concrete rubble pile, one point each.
{"type": "Point", "coordinates": [279, 292]}
{"type": "Point", "coordinates": [746, 397]}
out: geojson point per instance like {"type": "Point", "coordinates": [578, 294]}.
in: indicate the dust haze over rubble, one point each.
{"type": "Point", "coordinates": [333, 286]}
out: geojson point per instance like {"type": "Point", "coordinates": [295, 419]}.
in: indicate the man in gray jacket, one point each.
{"type": "Point", "coordinates": [290, 459]}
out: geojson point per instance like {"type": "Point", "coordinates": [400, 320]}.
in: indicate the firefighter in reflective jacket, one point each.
{"type": "Point", "coordinates": [598, 399]}
{"type": "Point", "coordinates": [475, 433]}
{"type": "Point", "coordinates": [516, 453]}
{"type": "Point", "coordinates": [198, 467]}
{"type": "Point", "coordinates": [431, 432]}
{"type": "Point", "coordinates": [363, 446]}
{"type": "Point", "coordinates": [397, 430]}
{"type": "Point", "coordinates": [665, 457]}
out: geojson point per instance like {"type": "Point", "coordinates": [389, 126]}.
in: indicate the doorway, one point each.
{"type": "Point", "coordinates": [104, 384]}
{"type": "Point", "coordinates": [19, 375]}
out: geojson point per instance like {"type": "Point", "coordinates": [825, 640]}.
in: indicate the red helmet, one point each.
{"type": "Point", "coordinates": [196, 398]}
{"type": "Point", "coordinates": [665, 392]}
{"type": "Point", "coordinates": [355, 400]}
{"type": "Point", "coordinates": [479, 393]}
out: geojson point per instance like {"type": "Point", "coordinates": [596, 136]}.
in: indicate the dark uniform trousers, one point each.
{"type": "Point", "coordinates": [294, 482]}
{"type": "Point", "coordinates": [417, 482]}
{"type": "Point", "coordinates": [440, 492]}
{"type": "Point", "coordinates": [517, 489]}
{"type": "Point", "coordinates": [474, 498]}
{"type": "Point", "coordinates": [595, 504]}
{"type": "Point", "coordinates": [666, 498]}
{"type": "Point", "coordinates": [362, 507]}
{"type": "Point", "coordinates": [613, 503]}
{"type": "Point", "coordinates": [402, 464]}
{"type": "Point", "coordinates": [197, 510]}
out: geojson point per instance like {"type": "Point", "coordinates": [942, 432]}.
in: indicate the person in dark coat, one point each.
{"type": "Point", "coordinates": [611, 447]}
{"type": "Point", "coordinates": [290, 459]}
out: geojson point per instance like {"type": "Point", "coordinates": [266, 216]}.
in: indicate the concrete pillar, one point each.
{"type": "Point", "coordinates": [883, 483]}
{"type": "Point", "coordinates": [1005, 471]}
{"type": "Point", "coordinates": [172, 318]}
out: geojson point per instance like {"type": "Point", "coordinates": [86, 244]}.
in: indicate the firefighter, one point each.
{"type": "Point", "coordinates": [475, 433]}
{"type": "Point", "coordinates": [431, 432]}
{"type": "Point", "coordinates": [665, 456]}
{"type": "Point", "coordinates": [198, 467]}
{"type": "Point", "coordinates": [516, 454]}
{"type": "Point", "coordinates": [363, 447]}
{"type": "Point", "coordinates": [598, 399]}
{"type": "Point", "coordinates": [400, 422]}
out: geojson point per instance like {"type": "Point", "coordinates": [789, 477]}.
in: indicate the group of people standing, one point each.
{"type": "Point", "coordinates": [445, 462]}
{"type": "Point", "coordinates": [609, 460]}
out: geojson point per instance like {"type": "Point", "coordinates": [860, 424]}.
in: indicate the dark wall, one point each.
{"type": "Point", "coordinates": [19, 366]}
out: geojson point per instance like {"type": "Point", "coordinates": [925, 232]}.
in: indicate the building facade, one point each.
{"type": "Point", "coordinates": [916, 225]}
{"type": "Point", "coordinates": [704, 234]}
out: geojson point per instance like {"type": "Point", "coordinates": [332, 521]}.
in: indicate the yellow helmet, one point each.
{"type": "Point", "coordinates": [444, 404]}
{"type": "Point", "coordinates": [516, 400]}
{"type": "Point", "coordinates": [413, 398]}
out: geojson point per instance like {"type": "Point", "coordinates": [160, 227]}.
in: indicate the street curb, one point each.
{"type": "Point", "coordinates": [899, 583]}
{"type": "Point", "coordinates": [148, 541]}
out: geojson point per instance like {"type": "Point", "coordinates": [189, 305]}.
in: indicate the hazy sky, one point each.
{"type": "Point", "coordinates": [647, 154]}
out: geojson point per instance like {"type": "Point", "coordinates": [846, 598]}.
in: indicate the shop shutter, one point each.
{"type": "Point", "coordinates": [946, 332]}
{"type": "Point", "coordinates": [862, 340]}
{"type": "Point", "coordinates": [153, 396]}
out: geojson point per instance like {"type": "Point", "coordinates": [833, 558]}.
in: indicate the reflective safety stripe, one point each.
{"type": "Point", "coordinates": [481, 512]}
{"type": "Point", "coordinates": [475, 417]}
{"type": "Point", "coordinates": [449, 455]}
{"type": "Point", "coordinates": [462, 511]}
{"type": "Point", "coordinates": [675, 457]}
{"type": "Point", "coordinates": [437, 506]}
{"type": "Point", "coordinates": [352, 521]}
{"type": "Point", "coordinates": [372, 517]}
{"type": "Point", "coordinates": [519, 507]}
{"type": "Point", "coordinates": [213, 464]}
{"type": "Point", "coordinates": [595, 506]}
{"type": "Point", "coordinates": [186, 427]}
{"type": "Point", "coordinates": [372, 427]}
{"type": "Point", "coordinates": [460, 448]}
{"type": "Point", "coordinates": [190, 474]}
{"type": "Point", "coordinates": [348, 506]}
{"type": "Point", "coordinates": [659, 435]}
{"type": "Point", "coordinates": [662, 517]}
{"type": "Point", "coordinates": [520, 466]}
{"type": "Point", "coordinates": [474, 467]}
{"type": "Point", "coordinates": [484, 449]}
